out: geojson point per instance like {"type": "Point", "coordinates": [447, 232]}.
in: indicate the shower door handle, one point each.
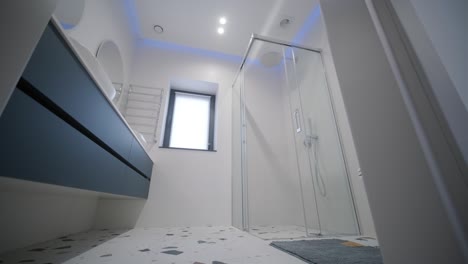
{"type": "Point", "coordinates": [298, 121]}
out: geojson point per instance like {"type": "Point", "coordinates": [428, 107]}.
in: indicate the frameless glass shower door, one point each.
{"type": "Point", "coordinates": [274, 200]}
{"type": "Point", "coordinates": [289, 174]}
{"type": "Point", "coordinates": [302, 141]}
{"type": "Point", "coordinates": [320, 144]}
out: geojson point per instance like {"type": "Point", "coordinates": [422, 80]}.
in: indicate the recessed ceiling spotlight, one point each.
{"type": "Point", "coordinates": [222, 20]}
{"type": "Point", "coordinates": [158, 29]}
{"type": "Point", "coordinates": [220, 30]}
{"type": "Point", "coordinates": [285, 22]}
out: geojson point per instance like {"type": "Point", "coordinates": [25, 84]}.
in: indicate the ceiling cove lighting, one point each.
{"type": "Point", "coordinates": [220, 30]}
{"type": "Point", "coordinates": [222, 20]}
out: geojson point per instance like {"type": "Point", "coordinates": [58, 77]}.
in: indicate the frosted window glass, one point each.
{"type": "Point", "coordinates": [190, 121]}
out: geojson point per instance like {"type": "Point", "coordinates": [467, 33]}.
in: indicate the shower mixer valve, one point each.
{"type": "Point", "coordinates": [308, 140]}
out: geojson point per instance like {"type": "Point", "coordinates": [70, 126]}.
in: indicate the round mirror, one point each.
{"type": "Point", "coordinates": [69, 12]}
{"type": "Point", "coordinates": [93, 65]}
{"type": "Point", "coordinates": [110, 58]}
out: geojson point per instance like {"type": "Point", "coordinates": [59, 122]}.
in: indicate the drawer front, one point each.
{"type": "Point", "coordinates": [37, 145]}
{"type": "Point", "coordinates": [136, 186]}
{"type": "Point", "coordinates": [55, 71]}
{"type": "Point", "coordinates": [140, 159]}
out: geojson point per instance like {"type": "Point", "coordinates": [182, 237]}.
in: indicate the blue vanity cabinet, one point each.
{"type": "Point", "coordinates": [59, 128]}
{"type": "Point", "coordinates": [140, 159]}
{"type": "Point", "coordinates": [37, 145]}
{"type": "Point", "coordinates": [56, 72]}
{"type": "Point", "coordinates": [136, 185]}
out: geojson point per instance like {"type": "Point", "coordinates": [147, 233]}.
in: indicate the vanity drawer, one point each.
{"type": "Point", "coordinates": [56, 72]}
{"type": "Point", "coordinates": [39, 146]}
{"type": "Point", "coordinates": [140, 159]}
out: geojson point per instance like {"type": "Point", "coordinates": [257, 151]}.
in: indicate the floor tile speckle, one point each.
{"type": "Point", "coordinates": [173, 252]}
{"type": "Point", "coordinates": [64, 247]}
{"type": "Point", "coordinates": [37, 249]}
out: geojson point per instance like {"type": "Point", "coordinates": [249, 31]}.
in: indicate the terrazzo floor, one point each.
{"type": "Point", "coordinates": [183, 245]}
{"type": "Point", "coordinates": [193, 245]}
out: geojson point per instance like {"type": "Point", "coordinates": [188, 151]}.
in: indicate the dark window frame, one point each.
{"type": "Point", "coordinates": [169, 117]}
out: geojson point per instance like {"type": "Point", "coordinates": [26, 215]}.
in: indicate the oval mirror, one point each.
{"type": "Point", "coordinates": [93, 65]}
{"type": "Point", "coordinates": [110, 58]}
{"type": "Point", "coordinates": [69, 12]}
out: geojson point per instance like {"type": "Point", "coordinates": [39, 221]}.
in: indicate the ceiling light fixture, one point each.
{"type": "Point", "coordinates": [285, 22]}
{"type": "Point", "coordinates": [158, 29]}
{"type": "Point", "coordinates": [220, 30]}
{"type": "Point", "coordinates": [222, 20]}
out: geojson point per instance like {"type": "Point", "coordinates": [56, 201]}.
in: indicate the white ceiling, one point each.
{"type": "Point", "coordinates": [194, 23]}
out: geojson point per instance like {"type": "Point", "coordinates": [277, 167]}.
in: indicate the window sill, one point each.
{"type": "Point", "coordinates": [207, 150]}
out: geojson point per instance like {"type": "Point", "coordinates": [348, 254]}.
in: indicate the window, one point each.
{"type": "Point", "coordinates": [190, 121]}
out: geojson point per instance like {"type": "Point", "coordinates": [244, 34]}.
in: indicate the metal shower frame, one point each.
{"type": "Point", "coordinates": [254, 37]}
{"type": "Point", "coordinates": [245, 209]}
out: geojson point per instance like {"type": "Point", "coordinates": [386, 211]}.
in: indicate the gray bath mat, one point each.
{"type": "Point", "coordinates": [330, 251]}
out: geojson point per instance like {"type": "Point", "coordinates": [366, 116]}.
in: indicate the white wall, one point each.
{"type": "Point", "coordinates": [36, 212]}
{"type": "Point", "coordinates": [117, 213]}
{"type": "Point", "coordinates": [437, 34]}
{"type": "Point", "coordinates": [188, 188]}
{"type": "Point", "coordinates": [107, 20]}
{"type": "Point", "coordinates": [402, 189]}
{"type": "Point", "coordinates": [446, 25]}
{"type": "Point", "coordinates": [21, 26]}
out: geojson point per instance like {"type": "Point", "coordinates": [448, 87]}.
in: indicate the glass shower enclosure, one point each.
{"type": "Point", "coordinates": [289, 174]}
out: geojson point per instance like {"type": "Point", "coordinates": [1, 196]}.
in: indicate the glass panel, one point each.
{"type": "Point", "coordinates": [275, 206]}
{"type": "Point", "coordinates": [293, 176]}
{"type": "Point", "coordinates": [321, 141]}
{"type": "Point", "coordinates": [190, 121]}
{"type": "Point", "coordinates": [308, 188]}
{"type": "Point", "coordinates": [237, 183]}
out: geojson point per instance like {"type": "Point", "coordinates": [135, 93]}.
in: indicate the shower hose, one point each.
{"type": "Point", "coordinates": [318, 176]}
